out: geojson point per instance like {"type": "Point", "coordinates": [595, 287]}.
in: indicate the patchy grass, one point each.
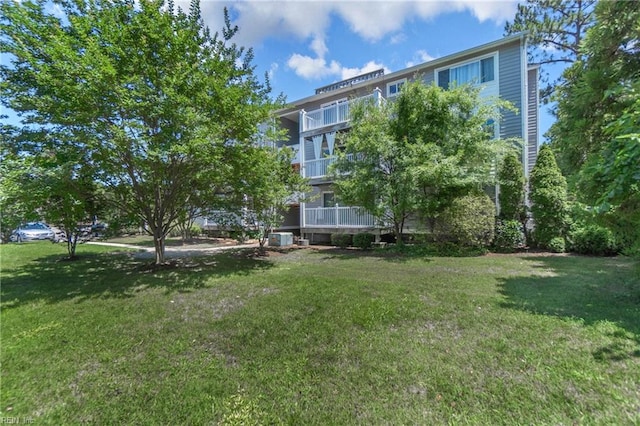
{"type": "Point", "coordinates": [319, 337]}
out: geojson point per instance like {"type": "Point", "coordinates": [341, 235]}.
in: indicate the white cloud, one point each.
{"type": "Point", "coordinates": [420, 57]}
{"type": "Point", "coordinates": [370, 19]}
{"type": "Point", "coordinates": [309, 20]}
{"type": "Point", "coordinates": [273, 69]}
{"type": "Point", "coordinates": [398, 38]}
{"type": "Point", "coordinates": [368, 67]}
{"type": "Point", "coordinates": [313, 68]}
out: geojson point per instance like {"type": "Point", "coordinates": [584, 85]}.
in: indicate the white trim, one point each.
{"type": "Point", "coordinates": [322, 194]}
{"type": "Point", "coordinates": [334, 102]}
{"type": "Point", "coordinates": [496, 66]}
{"type": "Point", "coordinates": [402, 81]}
{"type": "Point", "coordinates": [524, 110]}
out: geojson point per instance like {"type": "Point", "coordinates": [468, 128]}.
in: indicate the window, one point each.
{"type": "Point", "coordinates": [475, 72]}
{"type": "Point", "coordinates": [491, 128]}
{"type": "Point", "coordinates": [328, 200]}
{"type": "Point", "coordinates": [393, 89]}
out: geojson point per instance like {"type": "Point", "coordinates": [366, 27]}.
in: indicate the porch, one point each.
{"type": "Point", "coordinates": [338, 218]}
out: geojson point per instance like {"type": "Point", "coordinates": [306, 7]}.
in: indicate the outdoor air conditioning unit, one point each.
{"type": "Point", "coordinates": [280, 239]}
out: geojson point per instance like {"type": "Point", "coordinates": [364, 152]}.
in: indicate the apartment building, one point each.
{"type": "Point", "coordinates": [314, 123]}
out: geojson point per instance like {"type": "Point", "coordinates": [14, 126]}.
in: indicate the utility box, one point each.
{"type": "Point", "coordinates": [280, 239]}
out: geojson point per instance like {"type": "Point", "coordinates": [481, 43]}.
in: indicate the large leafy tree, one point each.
{"type": "Point", "coordinates": [415, 155]}
{"type": "Point", "coordinates": [156, 101]}
{"type": "Point", "coordinates": [555, 29]}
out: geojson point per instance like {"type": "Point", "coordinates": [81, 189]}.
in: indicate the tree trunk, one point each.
{"type": "Point", "coordinates": [158, 243]}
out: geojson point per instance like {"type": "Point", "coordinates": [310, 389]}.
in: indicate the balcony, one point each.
{"type": "Point", "coordinates": [320, 168]}
{"type": "Point", "coordinates": [338, 217]}
{"type": "Point", "coordinates": [336, 113]}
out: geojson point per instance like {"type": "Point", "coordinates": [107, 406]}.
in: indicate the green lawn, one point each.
{"type": "Point", "coordinates": [319, 337]}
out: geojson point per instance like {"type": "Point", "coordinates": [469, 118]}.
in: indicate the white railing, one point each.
{"type": "Point", "coordinates": [332, 114]}
{"type": "Point", "coordinates": [320, 168]}
{"type": "Point", "coordinates": [338, 217]}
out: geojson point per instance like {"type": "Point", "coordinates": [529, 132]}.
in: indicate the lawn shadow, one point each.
{"type": "Point", "coordinates": [597, 291]}
{"type": "Point", "coordinates": [118, 275]}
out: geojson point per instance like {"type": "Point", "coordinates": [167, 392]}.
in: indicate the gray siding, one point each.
{"type": "Point", "coordinates": [510, 75]}
{"type": "Point", "coordinates": [533, 125]}
{"type": "Point", "coordinates": [316, 195]}
{"type": "Point", "coordinates": [293, 131]}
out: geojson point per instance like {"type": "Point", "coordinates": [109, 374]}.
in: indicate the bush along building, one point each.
{"type": "Point", "coordinates": [314, 125]}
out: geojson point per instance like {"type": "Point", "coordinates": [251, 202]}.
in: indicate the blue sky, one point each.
{"type": "Point", "coordinates": [308, 44]}
{"type": "Point", "coordinates": [303, 45]}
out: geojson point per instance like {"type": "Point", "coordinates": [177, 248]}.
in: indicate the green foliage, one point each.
{"type": "Point", "coordinates": [593, 239]}
{"type": "Point", "coordinates": [270, 188]}
{"type": "Point", "coordinates": [596, 134]}
{"type": "Point", "coordinates": [468, 221]}
{"type": "Point", "coordinates": [512, 188]}
{"type": "Point", "coordinates": [363, 240]}
{"type": "Point", "coordinates": [548, 193]}
{"type": "Point", "coordinates": [509, 236]}
{"type": "Point", "coordinates": [554, 31]}
{"type": "Point", "coordinates": [145, 92]}
{"type": "Point", "coordinates": [341, 240]}
{"type": "Point", "coordinates": [556, 245]}
{"type": "Point", "coordinates": [415, 155]}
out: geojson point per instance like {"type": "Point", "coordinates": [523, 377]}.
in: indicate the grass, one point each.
{"type": "Point", "coordinates": [319, 337]}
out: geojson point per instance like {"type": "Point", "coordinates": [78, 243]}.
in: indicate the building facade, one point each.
{"type": "Point", "coordinates": [500, 69]}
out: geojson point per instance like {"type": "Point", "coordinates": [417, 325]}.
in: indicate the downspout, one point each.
{"type": "Point", "coordinates": [302, 166]}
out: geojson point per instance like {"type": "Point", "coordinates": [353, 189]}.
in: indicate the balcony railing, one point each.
{"type": "Point", "coordinates": [332, 114]}
{"type": "Point", "coordinates": [320, 168]}
{"type": "Point", "coordinates": [338, 217]}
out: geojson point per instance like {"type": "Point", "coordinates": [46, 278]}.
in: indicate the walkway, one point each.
{"type": "Point", "coordinates": [179, 251]}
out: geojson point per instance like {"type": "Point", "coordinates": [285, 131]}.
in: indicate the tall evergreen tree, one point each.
{"type": "Point", "coordinates": [512, 188]}
{"type": "Point", "coordinates": [548, 193]}
{"type": "Point", "coordinates": [555, 29]}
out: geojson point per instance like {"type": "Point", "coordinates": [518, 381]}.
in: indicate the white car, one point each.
{"type": "Point", "coordinates": [32, 231]}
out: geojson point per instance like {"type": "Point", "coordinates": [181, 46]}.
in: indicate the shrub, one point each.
{"type": "Point", "coordinates": [556, 245]}
{"type": "Point", "coordinates": [509, 236]}
{"type": "Point", "coordinates": [341, 240]}
{"type": "Point", "coordinates": [594, 240]}
{"type": "Point", "coordinates": [469, 221]}
{"type": "Point", "coordinates": [363, 240]}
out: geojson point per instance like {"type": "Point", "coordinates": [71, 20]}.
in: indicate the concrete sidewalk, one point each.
{"type": "Point", "coordinates": [180, 251]}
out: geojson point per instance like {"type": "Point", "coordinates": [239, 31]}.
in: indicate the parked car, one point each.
{"type": "Point", "coordinates": [32, 231]}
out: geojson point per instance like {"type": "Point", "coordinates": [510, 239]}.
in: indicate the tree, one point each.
{"type": "Point", "coordinates": [512, 188]}
{"type": "Point", "coordinates": [596, 134]}
{"type": "Point", "coordinates": [158, 104]}
{"type": "Point", "coordinates": [52, 185]}
{"type": "Point", "coordinates": [417, 154]}
{"type": "Point", "coordinates": [548, 193]}
{"type": "Point", "coordinates": [271, 188]}
{"type": "Point", "coordinates": [555, 29]}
